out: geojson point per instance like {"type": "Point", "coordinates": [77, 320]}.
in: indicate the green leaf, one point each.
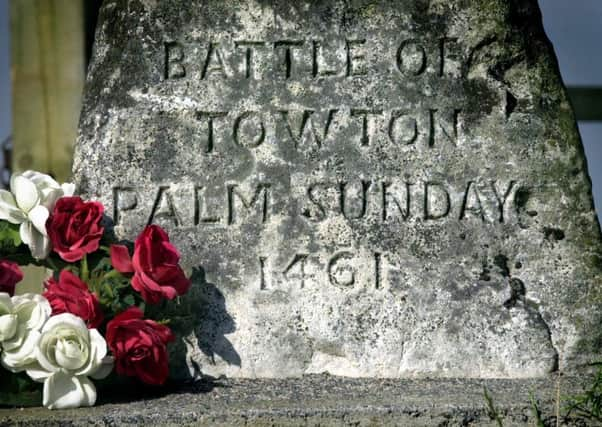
{"type": "Point", "coordinates": [589, 403]}
{"type": "Point", "coordinates": [129, 300]}
{"type": "Point", "coordinates": [10, 239]}
{"type": "Point", "coordinates": [491, 409]}
{"type": "Point", "coordinates": [11, 246]}
{"type": "Point", "coordinates": [536, 411]}
{"type": "Point", "coordinates": [9, 234]}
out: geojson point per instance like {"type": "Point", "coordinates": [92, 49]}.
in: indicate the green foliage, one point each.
{"type": "Point", "coordinates": [10, 239]}
{"type": "Point", "coordinates": [19, 390]}
{"type": "Point", "coordinates": [11, 246]}
{"type": "Point", "coordinates": [536, 411]}
{"type": "Point", "coordinates": [113, 289]}
{"type": "Point", "coordinates": [495, 415]}
{"type": "Point", "coordinates": [589, 403]}
{"type": "Point", "coordinates": [492, 410]}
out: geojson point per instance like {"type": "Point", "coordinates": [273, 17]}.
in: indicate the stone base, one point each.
{"type": "Point", "coordinates": [322, 400]}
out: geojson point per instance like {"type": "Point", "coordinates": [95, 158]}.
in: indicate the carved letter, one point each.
{"type": "Point", "coordinates": [377, 268]}
{"type": "Point", "coordinates": [363, 197]}
{"type": "Point", "coordinates": [321, 213]}
{"type": "Point", "coordinates": [451, 132]}
{"type": "Point", "coordinates": [288, 45]}
{"type": "Point", "coordinates": [444, 209]}
{"type": "Point", "coordinates": [200, 209]}
{"type": "Point", "coordinates": [262, 284]}
{"type": "Point", "coordinates": [262, 189]}
{"type": "Point", "coordinates": [319, 69]}
{"type": "Point", "coordinates": [411, 58]}
{"type": "Point", "coordinates": [407, 132]}
{"type": "Point", "coordinates": [356, 58]}
{"type": "Point", "coordinates": [249, 50]}
{"type": "Point", "coordinates": [307, 125]}
{"type": "Point", "coordinates": [337, 275]}
{"type": "Point", "coordinates": [405, 213]}
{"type": "Point", "coordinates": [214, 62]}
{"type": "Point", "coordinates": [121, 205]}
{"type": "Point", "coordinates": [210, 116]}
{"type": "Point", "coordinates": [442, 52]}
{"type": "Point", "coordinates": [164, 207]}
{"type": "Point", "coordinates": [298, 259]}
{"type": "Point", "coordinates": [174, 56]}
{"type": "Point", "coordinates": [501, 201]}
{"type": "Point", "coordinates": [251, 119]}
{"type": "Point", "coordinates": [367, 124]}
{"type": "Point", "coordinates": [476, 207]}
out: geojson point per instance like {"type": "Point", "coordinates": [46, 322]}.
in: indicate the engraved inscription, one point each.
{"type": "Point", "coordinates": [164, 208]}
{"type": "Point", "coordinates": [208, 117]}
{"type": "Point", "coordinates": [390, 201]}
{"type": "Point", "coordinates": [307, 128]}
{"type": "Point", "coordinates": [340, 271]}
{"type": "Point", "coordinates": [260, 198]}
{"type": "Point", "coordinates": [124, 199]}
{"type": "Point", "coordinates": [296, 269]}
{"type": "Point", "coordinates": [250, 48]}
{"type": "Point", "coordinates": [437, 203]}
{"type": "Point", "coordinates": [174, 55]}
{"type": "Point", "coordinates": [201, 210]}
{"type": "Point", "coordinates": [214, 63]}
{"type": "Point", "coordinates": [315, 129]}
{"type": "Point", "coordinates": [411, 58]}
{"type": "Point", "coordinates": [278, 131]}
{"type": "Point", "coordinates": [304, 270]}
{"type": "Point", "coordinates": [249, 130]}
{"type": "Point", "coordinates": [298, 58]}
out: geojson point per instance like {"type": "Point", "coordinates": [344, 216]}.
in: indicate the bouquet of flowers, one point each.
{"type": "Point", "coordinates": [91, 319]}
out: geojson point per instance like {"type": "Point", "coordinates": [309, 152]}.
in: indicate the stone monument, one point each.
{"type": "Point", "coordinates": [365, 188]}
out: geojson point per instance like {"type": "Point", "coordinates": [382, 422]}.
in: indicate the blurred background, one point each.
{"type": "Point", "coordinates": [51, 40]}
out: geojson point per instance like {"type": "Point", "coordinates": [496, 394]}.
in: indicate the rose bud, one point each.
{"type": "Point", "coordinates": [155, 264]}
{"type": "Point", "coordinates": [10, 275]}
{"type": "Point", "coordinates": [139, 346]}
{"type": "Point", "coordinates": [74, 228]}
{"type": "Point", "coordinates": [71, 295]}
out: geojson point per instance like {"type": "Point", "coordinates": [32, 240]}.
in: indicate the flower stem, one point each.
{"type": "Point", "coordinates": [51, 264]}
{"type": "Point", "coordinates": [111, 274]}
{"type": "Point", "coordinates": [85, 273]}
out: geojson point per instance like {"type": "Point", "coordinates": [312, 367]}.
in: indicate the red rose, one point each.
{"type": "Point", "coordinates": [74, 227]}
{"type": "Point", "coordinates": [71, 295]}
{"type": "Point", "coordinates": [155, 264]}
{"type": "Point", "coordinates": [139, 346]}
{"type": "Point", "coordinates": [10, 275]}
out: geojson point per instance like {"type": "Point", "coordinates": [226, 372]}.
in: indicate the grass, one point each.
{"type": "Point", "coordinates": [587, 405]}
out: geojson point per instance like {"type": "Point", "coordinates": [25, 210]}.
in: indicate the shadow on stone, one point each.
{"type": "Point", "coordinates": [200, 316]}
{"type": "Point", "coordinates": [127, 390]}
{"type": "Point", "coordinates": [215, 321]}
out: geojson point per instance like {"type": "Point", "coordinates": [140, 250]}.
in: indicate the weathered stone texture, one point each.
{"type": "Point", "coordinates": [322, 400]}
{"type": "Point", "coordinates": [372, 188]}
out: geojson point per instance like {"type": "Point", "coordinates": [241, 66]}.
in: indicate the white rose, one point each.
{"type": "Point", "coordinates": [30, 312]}
{"type": "Point", "coordinates": [67, 354]}
{"type": "Point", "coordinates": [8, 320]}
{"type": "Point", "coordinates": [29, 203]}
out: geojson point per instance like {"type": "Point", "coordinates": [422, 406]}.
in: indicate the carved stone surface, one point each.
{"type": "Point", "coordinates": [364, 188]}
